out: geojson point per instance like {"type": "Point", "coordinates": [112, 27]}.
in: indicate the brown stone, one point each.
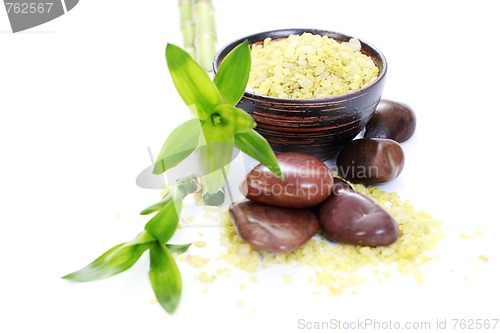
{"type": "Point", "coordinates": [273, 229]}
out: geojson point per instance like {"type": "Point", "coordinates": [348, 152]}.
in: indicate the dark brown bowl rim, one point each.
{"type": "Point", "coordinates": [280, 33]}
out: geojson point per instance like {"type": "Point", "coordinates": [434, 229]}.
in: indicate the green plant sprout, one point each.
{"type": "Point", "coordinates": [217, 126]}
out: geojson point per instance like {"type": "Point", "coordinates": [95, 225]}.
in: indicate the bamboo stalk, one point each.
{"type": "Point", "coordinates": [205, 41]}
{"type": "Point", "coordinates": [187, 26]}
{"type": "Point", "coordinates": [198, 28]}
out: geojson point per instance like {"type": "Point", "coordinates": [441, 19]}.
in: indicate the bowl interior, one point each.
{"type": "Point", "coordinates": [258, 38]}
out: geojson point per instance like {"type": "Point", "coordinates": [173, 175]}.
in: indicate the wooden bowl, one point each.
{"type": "Point", "coordinates": [319, 127]}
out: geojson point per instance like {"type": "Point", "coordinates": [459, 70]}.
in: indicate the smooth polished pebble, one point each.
{"type": "Point", "coordinates": [340, 185]}
{"type": "Point", "coordinates": [371, 161]}
{"type": "Point", "coordinates": [352, 218]}
{"type": "Point", "coordinates": [391, 120]}
{"type": "Point", "coordinates": [307, 182]}
{"type": "Point", "coordinates": [273, 229]}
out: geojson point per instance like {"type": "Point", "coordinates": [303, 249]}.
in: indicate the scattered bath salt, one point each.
{"type": "Point", "coordinates": [287, 278]}
{"type": "Point", "coordinates": [336, 266]}
{"type": "Point", "coordinates": [200, 244]}
{"type": "Point", "coordinates": [484, 258]}
{"type": "Point", "coordinates": [196, 261]}
{"type": "Point", "coordinates": [222, 271]}
{"type": "Point", "coordinates": [419, 277]}
{"type": "Point", "coordinates": [472, 236]}
{"type": "Point", "coordinates": [204, 277]}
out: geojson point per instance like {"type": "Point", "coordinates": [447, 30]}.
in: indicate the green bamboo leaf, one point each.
{"type": "Point", "coordinates": [179, 249]}
{"type": "Point", "coordinates": [143, 238]}
{"type": "Point", "coordinates": [192, 82]}
{"type": "Point", "coordinates": [182, 187]}
{"type": "Point", "coordinates": [256, 146]}
{"type": "Point", "coordinates": [232, 119]}
{"type": "Point", "coordinates": [180, 144]}
{"type": "Point", "coordinates": [216, 133]}
{"type": "Point", "coordinates": [165, 277]}
{"type": "Point", "coordinates": [217, 151]}
{"type": "Point", "coordinates": [163, 225]}
{"type": "Point", "coordinates": [114, 261]}
{"type": "Point", "coordinates": [153, 208]}
{"type": "Point", "coordinates": [232, 75]}
{"type": "Point", "coordinates": [157, 206]}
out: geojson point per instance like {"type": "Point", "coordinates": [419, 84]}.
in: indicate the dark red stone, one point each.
{"type": "Point", "coordinates": [273, 229]}
{"type": "Point", "coordinates": [352, 218]}
{"type": "Point", "coordinates": [391, 120]}
{"type": "Point", "coordinates": [307, 182]}
{"type": "Point", "coordinates": [371, 161]}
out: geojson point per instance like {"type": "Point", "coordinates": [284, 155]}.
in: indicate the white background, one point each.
{"type": "Point", "coordinates": [83, 96]}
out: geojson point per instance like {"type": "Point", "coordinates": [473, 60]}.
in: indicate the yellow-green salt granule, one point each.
{"type": "Point", "coordinates": [204, 277]}
{"type": "Point", "coordinates": [194, 260]}
{"type": "Point", "coordinates": [484, 258]}
{"type": "Point", "coordinates": [200, 244]}
{"type": "Point", "coordinates": [309, 66]}
{"type": "Point", "coordinates": [472, 236]}
{"type": "Point", "coordinates": [287, 278]}
{"type": "Point", "coordinates": [339, 266]}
